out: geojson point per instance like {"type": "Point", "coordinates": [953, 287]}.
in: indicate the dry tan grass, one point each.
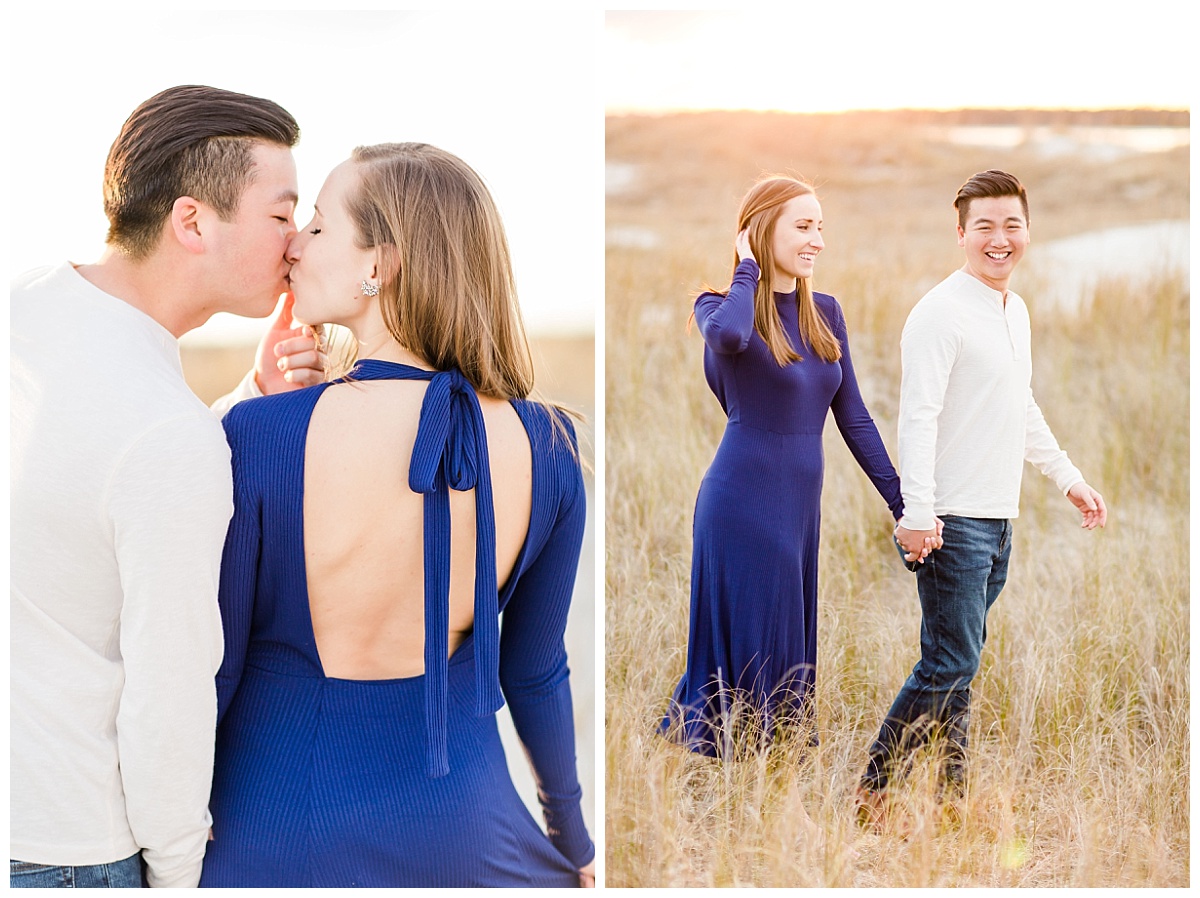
{"type": "Point", "coordinates": [1080, 736]}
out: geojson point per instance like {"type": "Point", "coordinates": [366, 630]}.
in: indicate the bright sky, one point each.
{"type": "Point", "coordinates": [933, 54]}
{"type": "Point", "coordinates": [523, 109]}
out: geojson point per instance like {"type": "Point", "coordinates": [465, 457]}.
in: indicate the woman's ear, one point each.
{"type": "Point", "coordinates": [387, 263]}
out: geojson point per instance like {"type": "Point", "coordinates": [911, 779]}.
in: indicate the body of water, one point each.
{"type": "Point", "coordinates": [1063, 272]}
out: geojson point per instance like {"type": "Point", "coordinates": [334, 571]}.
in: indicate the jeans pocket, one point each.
{"type": "Point", "coordinates": [26, 867]}
{"type": "Point", "coordinates": [25, 875]}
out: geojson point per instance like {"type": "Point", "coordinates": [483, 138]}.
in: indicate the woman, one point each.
{"type": "Point", "coordinates": [777, 358]}
{"type": "Point", "coordinates": [381, 523]}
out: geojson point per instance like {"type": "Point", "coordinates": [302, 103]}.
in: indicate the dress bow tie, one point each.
{"type": "Point", "coordinates": [450, 436]}
{"type": "Point", "coordinates": [450, 452]}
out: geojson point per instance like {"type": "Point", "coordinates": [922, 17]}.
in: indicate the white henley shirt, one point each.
{"type": "Point", "coordinates": [968, 418]}
{"type": "Point", "coordinates": [121, 493]}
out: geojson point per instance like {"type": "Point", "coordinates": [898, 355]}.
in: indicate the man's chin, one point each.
{"type": "Point", "coordinates": [264, 307]}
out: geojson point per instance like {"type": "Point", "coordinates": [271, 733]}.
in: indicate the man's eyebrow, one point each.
{"type": "Point", "coordinates": [288, 196]}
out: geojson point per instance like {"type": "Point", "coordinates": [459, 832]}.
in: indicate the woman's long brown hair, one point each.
{"type": "Point", "coordinates": [446, 287]}
{"type": "Point", "coordinates": [447, 291]}
{"type": "Point", "coordinates": [758, 215]}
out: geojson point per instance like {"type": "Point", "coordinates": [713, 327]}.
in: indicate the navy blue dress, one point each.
{"type": "Point", "coordinates": [321, 781]}
{"type": "Point", "coordinates": [752, 637]}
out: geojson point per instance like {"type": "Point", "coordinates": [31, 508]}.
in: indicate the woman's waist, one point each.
{"type": "Point", "coordinates": [748, 446]}
{"type": "Point", "coordinates": [745, 427]}
{"type": "Point", "coordinates": [292, 662]}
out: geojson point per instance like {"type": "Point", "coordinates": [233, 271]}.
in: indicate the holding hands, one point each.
{"type": "Point", "coordinates": [919, 543]}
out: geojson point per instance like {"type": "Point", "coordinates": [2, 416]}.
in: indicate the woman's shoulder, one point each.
{"type": "Point", "coordinates": [544, 421]}
{"type": "Point", "coordinates": [826, 303]}
{"type": "Point", "coordinates": [262, 418]}
{"type": "Point", "coordinates": [552, 437]}
{"type": "Point", "coordinates": [831, 309]}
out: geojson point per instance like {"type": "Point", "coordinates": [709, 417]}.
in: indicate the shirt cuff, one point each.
{"type": "Point", "coordinates": [919, 518]}
{"type": "Point", "coordinates": [247, 389]}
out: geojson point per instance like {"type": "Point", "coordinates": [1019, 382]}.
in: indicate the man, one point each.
{"type": "Point", "coordinates": [967, 421]}
{"type": "Point", "coordinates": [121, 493]}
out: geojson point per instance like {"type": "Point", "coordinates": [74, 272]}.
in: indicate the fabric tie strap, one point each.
{"type": "Point", "coordinates": [450, 452]}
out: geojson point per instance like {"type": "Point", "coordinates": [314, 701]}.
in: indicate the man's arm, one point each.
{"type": "Point", "coordinates": [1042, 450]}
{"type": "Point", "coordinates": [928, 349]}
{"type": "Point", "coordinates": [169, 503]}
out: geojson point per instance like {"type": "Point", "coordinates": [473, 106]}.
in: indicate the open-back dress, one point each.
{"type": "Point", "coordinates": [321, 781]}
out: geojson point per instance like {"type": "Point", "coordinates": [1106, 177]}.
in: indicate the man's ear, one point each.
{"type": "Point", "coordinates": [188, 223]}
{"type": "Point", "coordinates": [962, 235]}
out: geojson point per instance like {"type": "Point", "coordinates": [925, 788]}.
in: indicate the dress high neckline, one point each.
{"type": "Point", "coordinates": [381, 365]}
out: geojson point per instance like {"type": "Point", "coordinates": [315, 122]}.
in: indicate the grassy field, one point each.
{"type": "Point", "coordinates": [1080, 734]}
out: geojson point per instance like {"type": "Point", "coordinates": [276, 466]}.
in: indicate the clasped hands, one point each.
{"type": "Point", "coordinates": [917, 544]}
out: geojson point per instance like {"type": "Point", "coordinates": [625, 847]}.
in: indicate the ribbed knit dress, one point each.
{"type": "Point", "coordinates": [322, 781]}
{"type": "Point", "coordinates": [752, 636]}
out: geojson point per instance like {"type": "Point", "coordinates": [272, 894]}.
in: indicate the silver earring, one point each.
{"type": "Point", "coordinates": [369, 289]}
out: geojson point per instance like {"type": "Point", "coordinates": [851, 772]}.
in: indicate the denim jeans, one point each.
{"type": "Point", "coordinates": [126, 874]}
{"type": "Point", "coordinates": [957, 585]}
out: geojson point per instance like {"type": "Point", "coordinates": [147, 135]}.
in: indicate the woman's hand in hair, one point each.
{"type": "Point", "coordinates": [742, 245]}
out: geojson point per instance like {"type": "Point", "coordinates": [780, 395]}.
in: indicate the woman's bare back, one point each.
{"type": "Point", "coordinates": [363, 527]}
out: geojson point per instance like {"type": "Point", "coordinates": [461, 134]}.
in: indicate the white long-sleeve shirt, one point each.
{"type": "Point", "coordinates": [968, 418]}
{"type": "Point", "coordinates": [121, 496]}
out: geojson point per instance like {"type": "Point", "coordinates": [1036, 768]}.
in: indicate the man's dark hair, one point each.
{"type": "Point", "coordinates": [186, 141]}
{"type": "Point", "coordinates": [989, 183]}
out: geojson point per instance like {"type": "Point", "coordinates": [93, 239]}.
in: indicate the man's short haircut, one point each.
{"type": "Point", "coordinates": [186, 141]}
{"type": "Point", "coordinates": [989, 183]}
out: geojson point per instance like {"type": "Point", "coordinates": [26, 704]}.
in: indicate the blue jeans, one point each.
{"type": "Point", "coordinates": [957, 586]}
{"type": "Point", "coordinates": [126, 874]}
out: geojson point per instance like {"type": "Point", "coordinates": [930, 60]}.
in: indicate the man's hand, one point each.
{"type": "Point", "coordinates": [1090, 503]}
{"type": "Point", "coordinates": [288, 358]}
{"type": "Point", "coordinates": [919, 543]}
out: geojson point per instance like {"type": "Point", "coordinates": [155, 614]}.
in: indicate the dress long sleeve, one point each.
{"type": "Point", "coordinates": [858, 427]}
{"type": "Point", "coordinates": [727, 322]}
{"type": "Point", "coordinates": [239, 570]}
{"type": "Point", "coordinates": [533, 666]}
